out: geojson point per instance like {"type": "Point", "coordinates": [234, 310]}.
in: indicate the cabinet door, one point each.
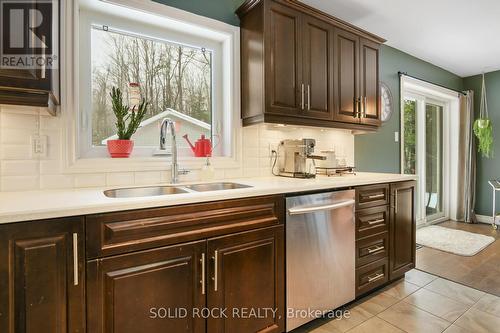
{"type": "Point", "coordinates": [152, 291]}
{"type": "Point", "coordinates": [247, 273]}
{"type": "Point", "coordinates": [370, 90]}
{"type": "Point", "coordinates": [402, 229]}
{"type": "Point", "coordinates": [42, 277]}
{"type": "Point", "coordinates": [346, 83]}
{"type": "Point", "coordinates": [318, 68]}
{"type": "Point", "coordinates": [284, 89]}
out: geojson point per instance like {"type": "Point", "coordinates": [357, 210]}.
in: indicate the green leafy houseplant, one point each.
{"type": "Point", "coordinates": [483, 128]}
{"type": "Point", "coordinates": [127, 123]}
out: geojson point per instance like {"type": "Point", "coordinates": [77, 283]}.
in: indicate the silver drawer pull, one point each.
{"type": "Point", "coordinates": [203, 283]}
{"type": "Point", "coordinates": [375, 277]}
{"type": "Point", "coordinates": [75, 259]}
{"type": "Point", "coordinates": [376, 196]}
{"type": "Point", "coordinates": [372, 222]}
{"type": "Point", "coordinates": [312, 209]}
{"type": "Point", "coordinates": [375, 249]}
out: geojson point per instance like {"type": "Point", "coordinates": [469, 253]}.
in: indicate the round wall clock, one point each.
{"type": "Point", "coordinates": [387, 103]}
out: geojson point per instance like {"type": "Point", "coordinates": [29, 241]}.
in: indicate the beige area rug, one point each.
{"type": "Point", "coordinates": [454, 241]}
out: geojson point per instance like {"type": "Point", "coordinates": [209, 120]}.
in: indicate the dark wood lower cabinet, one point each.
{"type": "Point", "coordinates": [402, 229]}
{"type": "Point", "coordinates": [42, 277]}
{"type": "Point", "coordinates": [385, 234]}
{"type": "Point", "coordinates": [152, 291]}
{"type": "Point", "coordinates": [247, 279]}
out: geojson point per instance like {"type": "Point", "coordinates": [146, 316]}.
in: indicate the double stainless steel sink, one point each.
{"type": "Point", "coordinates": [136, 192]}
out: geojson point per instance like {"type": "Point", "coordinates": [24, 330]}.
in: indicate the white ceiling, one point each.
{"type": "Point", "coordinates": [461, 36]}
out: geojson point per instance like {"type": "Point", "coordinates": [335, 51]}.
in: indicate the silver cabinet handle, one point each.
{"type": "Point", "coordinates": [303, 92]}
{"type": "Point", "coordinates": [309, 97]}
{"type": "Point", "coordinates": [356, 111]}
{"type": "Point", "coordinates": [44, 66]}
{"type": "Point", "coordinates": [312, 209]}
{"type": "Point", "coordinates": [372, 222]}
{"type": "Point", "coordinates": [375, 277]}
{"type": "Point", "coordinates": [216, 268]}
{"type": "Point", "coordinates": [75, 259]}
{"type": "Point", "coordinates": [375, 249]}
{"type": "Point", "coordinates": [376, 196]}
{"type": "Point", "coordinates": [203, 283]}
{"type": "Point", "coordinates": [364, 107]}
{"type": "Point", "coordinates": [395, 201]}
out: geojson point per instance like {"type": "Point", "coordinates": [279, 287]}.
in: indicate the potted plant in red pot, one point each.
{"type": "Point", "coordinates": [127, 123]}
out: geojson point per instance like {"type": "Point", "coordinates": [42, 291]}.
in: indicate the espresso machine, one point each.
{"type": "Point", "coordinates": [296, 158]}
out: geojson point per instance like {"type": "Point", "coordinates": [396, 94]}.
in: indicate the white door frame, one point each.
{"type": "Point", "coordinates": [422, 99]}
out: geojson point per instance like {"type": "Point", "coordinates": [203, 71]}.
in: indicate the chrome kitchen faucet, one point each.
{"type": "Point", "coordinates": [168, 127]}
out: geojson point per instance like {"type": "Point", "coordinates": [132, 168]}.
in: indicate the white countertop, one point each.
{"type": "Point", "coordinates": [35, 205]}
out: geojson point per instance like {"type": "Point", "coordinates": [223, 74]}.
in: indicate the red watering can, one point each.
{"type": "Point", "coordinates": [202, 147]}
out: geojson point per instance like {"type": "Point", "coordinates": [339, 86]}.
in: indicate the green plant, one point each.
{"type": "Point", "coordinates": [483, 129]}
{"type": "Point", "coordinates": [127, 122]}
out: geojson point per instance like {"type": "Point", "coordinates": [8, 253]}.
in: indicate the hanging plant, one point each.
{"type": "Point", "coordinates": [483, 128]}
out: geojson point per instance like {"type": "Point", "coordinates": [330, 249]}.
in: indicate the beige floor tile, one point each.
{"type": "Point", "coordinates": [400, 289]}
{"type": "Point", "coordinates": [437, 304]}
{"type": "Point", "coordinates": [377, 303]}
{"type": "Point", "coordinates": [355, 317]}
{"type": "Point", "coordinates": [455, 291]}
{"type": "Point", "coordinates": [375, 325]}
{"type": "Point", "coordinates": [479, 322]}
{"type": "Point", "coordinates": [489, 303]}
{"type": "Point", "coordinates": [456, 329]}
{"type": "Point", "coordinates": [419, 278]}
{"type": "Point", "coordinates": [412, 319]}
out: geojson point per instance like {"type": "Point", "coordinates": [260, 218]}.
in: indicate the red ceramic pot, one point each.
{"type": "Point", "coordinates": [120, 148]}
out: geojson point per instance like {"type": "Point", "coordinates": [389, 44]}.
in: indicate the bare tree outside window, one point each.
{"type": "Point", "coordinates": [171, 76]}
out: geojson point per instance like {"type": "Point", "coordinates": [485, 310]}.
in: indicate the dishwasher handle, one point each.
{"type": "Point", "coordinates": [314, 209]}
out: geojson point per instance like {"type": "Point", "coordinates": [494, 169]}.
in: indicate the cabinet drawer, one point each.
{"type": "Point", "coordinates": [371, 276]}
{"type": "Point", "coordinates": [372, 249]}
{"type": "Point", "coordinates": [372, 221]}
{"type": "Point", "coordinates": [122, 232]}
{"type": "Point", "coordinates": [372, 196]}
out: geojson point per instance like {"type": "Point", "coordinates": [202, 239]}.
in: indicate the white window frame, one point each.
{"type": "Point", "coordinates": [218, 33]}
{"type": "Point", "coordinates": [423, 92]}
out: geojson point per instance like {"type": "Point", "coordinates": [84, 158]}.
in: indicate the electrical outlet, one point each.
{"type": "Point", "coordinates": [39, 145]}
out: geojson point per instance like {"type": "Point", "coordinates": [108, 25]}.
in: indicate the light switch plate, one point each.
{"type": "Point", "coordinates": [396, 136]}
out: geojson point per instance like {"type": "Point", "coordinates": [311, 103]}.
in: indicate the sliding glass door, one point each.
{"type": "Point", "coordinates": [422, 153]}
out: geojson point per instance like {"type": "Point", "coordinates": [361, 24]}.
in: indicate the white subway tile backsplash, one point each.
{"type": "Point", "coordinates": [90, 180]}
{"type": "Point", "coordinates": [148, 177]}
{"type": "Point", "coordinates": [19, 183]}
{"type": "Point", "coordinates": [19, 120]}
{"type": "Point", "coordinates": [16, 152]}
{"type": "Point", "coordinates": [20, 168]}
{"type": "Point", "coordinates": [52, 182]}
{"type": "Point", "coordinates": [120, 179]}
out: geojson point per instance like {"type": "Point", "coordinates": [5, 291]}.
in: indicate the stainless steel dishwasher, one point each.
{"type": "Point", "coordinates": [320, 254]}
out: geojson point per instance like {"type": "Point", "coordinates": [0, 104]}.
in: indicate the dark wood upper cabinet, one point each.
{"type": "Point", "coordinates": [246, 271]}
{"type": "Point", "coordinates": [42, 277]}
{"type": "Point", "coordinates": [402, 229]}
{"type": "Point", "coordinates": [346, 76]}
{"type": "Point", "coordinates": [284, 61]}
{"type": "Point", "coordinates": [301, 66]}
{"type": "Point", "coordinates": [370, 88]}
{"type": "Point", "coordinates": [33, 87]}
{"type": "Point", "coordinates": [144, 291]}
{"type": "Point", "coordinates": [317, 68]}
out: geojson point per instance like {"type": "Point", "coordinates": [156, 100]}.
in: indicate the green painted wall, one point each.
{"type": "Point", "coordinates": [487, 168]}
{"type": "Point", "coordinates": [222, 10]}
{"type": "Point", "coordinates": [378, 152]}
